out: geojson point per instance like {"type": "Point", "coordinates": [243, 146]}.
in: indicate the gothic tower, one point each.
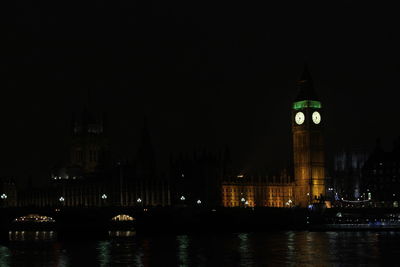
{"type": "Point", "coordinates": [89, 147]}
{"type": "Point", "coordinates": [308, 144]}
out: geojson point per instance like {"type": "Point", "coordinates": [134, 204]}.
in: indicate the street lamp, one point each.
{"type": "Point", "coordinates": [104, 200]}
{"type": "Point", "coordinates": [199, 201]}
{"type": "Point", "coordinates": [183, 198]}
{"type": "Point", "coordinates": [243, 200]}
{"type": "Point", "coordinates": [3, 198]}
{"type": "Point", "coordinates": [139, 201]}
{"type": "Point", "coordinates": [61, 199]}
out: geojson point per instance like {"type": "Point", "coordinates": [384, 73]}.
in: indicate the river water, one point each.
{"type": "Point", "coordinates": [224, 249]}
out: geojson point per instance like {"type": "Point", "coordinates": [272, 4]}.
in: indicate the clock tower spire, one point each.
{"type": "Point", "coordinates": [308, 144]}
{"type": "Point", "coordinates": [306, 87]}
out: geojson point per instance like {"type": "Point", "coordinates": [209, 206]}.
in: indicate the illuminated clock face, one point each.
{"type": "Point", "coordinates": [299, 118]}
{"type": "Point", "coordinates": [316, 117]}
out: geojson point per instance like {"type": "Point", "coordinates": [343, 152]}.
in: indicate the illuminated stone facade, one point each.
{"type": "Point", "coordinates": [129, 190]}
{"type": "Point", "coordinates": [247, 191]}
{"type": "Point", "coordinates": [308, 144]}
{"type": "Point", "coordinates": [308, 185]}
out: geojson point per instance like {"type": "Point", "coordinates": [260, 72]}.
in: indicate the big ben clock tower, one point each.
{"type": "Point", "coordinates": [308, 144]}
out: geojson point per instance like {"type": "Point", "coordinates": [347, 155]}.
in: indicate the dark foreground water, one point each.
{"type": "Point", "coordinates": [236, 249]}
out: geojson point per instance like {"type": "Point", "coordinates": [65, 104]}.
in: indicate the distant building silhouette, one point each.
{"type": "Point", "coordinates": [91, 179]}
{"type": "Point", "coordinates": [347, 173]}
{"type": "Point", "coordinates": [381, 176]}
{"type": "Point", "coordinates": [196, 179]}
{"type": "Point", "coordinates": [141, 184]}
{"type": "Point", "coordinates": [90, 148]}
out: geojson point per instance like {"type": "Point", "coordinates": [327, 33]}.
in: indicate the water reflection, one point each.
{"type": "Point", "coordinates": [27, 249]}
{"type": "Point", "coordinates": [32, 236]}
{"type": "Point", "coordinates": [104, 253]}
{"type": "Point", "coordinates": [245, 250]}
{"type": "Point", "coordinates": [121, 233]}
{"type": "Point", "coordinates": [333, 248]}
{"type": "Point", "coordinates": [4, 256]}
{"type": "Point", "coordinates": [183, 245]}
{"type": "Point", "coordinates": [121, 249]}
{"type": "Point", "coordinates": [242, 249]}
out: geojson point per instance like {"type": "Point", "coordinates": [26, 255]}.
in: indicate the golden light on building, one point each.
{"type": "Point", "coordinates": [308, 144]}
{"type": "Point", "coordinates": [123, 218]}
{"type": "Point", "coordinates": [253, 192]}
{"type": "Point", "coordinates": [308, 185]}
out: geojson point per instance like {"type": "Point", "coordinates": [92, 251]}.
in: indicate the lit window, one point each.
{"type": "Point", "coordinates": [123, 217]}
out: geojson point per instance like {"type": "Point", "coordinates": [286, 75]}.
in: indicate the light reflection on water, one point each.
{"type": "Point", "coordinates": [241, 249]}
{"type": "Point", "coordinates": [33, 248]}
{"type": "Point", "coordinates": [121, 233]}
{"type": "Point", "coordinates": [4, 256]}
{"type": "Point", "coordinates": [183, 246]}
{"type": "Point", "coordinates": [245, 251]}
{"type": "Point", "coordinates": [32, 236]}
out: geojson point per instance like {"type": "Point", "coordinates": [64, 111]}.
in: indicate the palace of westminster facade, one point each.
{"type": "Point", "coordinates": [308, 186]}
{"type": "Point", "coordinates": [90, 178]}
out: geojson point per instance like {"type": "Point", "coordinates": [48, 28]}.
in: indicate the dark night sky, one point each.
{"type": "Point", "coordinates": [204, 75]}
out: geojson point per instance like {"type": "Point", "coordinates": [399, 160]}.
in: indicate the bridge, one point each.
{"type": "Point", "coordinates": [71, 218]}
{"type": "Point", "coordinates": [97, 220]}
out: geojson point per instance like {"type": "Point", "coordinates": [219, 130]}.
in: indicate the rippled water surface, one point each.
{"type": "Point", "coordinates": [237, 249]}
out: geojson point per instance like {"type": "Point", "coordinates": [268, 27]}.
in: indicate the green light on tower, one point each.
{"type": "Point", "coordinates": [306, 104]}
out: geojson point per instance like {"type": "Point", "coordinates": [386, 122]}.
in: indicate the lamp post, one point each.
{"type": "Point", "coordinates": [62, 200]}
{"type": "Point", "coordinates": [3, 198]}
{"type": "Point", "coordinates": [104, 198]}
{"type": "Point", "coordinates": [243, 200]}
{"type": "Point", "coordinates": [139, 201]}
